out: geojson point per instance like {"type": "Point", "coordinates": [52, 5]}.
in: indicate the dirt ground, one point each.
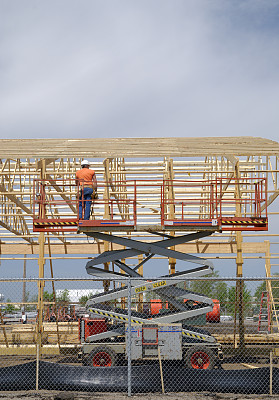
{"type": "Point", "coordinates": [51, 395]}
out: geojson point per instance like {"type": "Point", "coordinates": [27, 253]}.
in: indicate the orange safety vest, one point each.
{"type": "Point", "coordinates": [85, 175]}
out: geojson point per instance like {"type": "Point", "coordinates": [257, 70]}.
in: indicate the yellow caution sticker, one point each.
{"type": "Point", "coordinates": [140, 289]}
{"type": "Point", "coordinates": [159, 284]}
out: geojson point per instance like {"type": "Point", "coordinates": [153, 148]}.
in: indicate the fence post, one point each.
{"type": "Point", "coordinates": [270, 372]}
{"type": "Point", "coordinates": [128, 344]}
{"type": "Point", "coordinates": [37, 365]}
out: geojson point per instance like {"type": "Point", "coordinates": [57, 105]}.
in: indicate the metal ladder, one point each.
{"type": "Point", "coordinates": [264, 301]}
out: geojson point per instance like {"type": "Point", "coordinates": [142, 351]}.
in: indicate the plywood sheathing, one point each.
{"type": "Point", "coordinates": [137, 147]}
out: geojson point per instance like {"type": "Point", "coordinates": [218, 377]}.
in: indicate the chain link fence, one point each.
{"type": "Point", "coordinates": [140, 335]}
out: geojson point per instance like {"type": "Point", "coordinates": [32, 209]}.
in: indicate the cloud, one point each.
{"type": "Point", "coordinates": [130, 68]}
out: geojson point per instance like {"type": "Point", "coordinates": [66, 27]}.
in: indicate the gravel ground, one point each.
{"type": "Point", "coordinates": [50, 395]}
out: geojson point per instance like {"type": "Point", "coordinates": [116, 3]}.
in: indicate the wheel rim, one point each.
{"type": "Point", "coordinates": [200, 360]}
{"type": "Point", "coordinates": [102, 359]}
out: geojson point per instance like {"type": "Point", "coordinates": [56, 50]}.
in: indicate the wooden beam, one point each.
{"type": "Point", "coordinates": [96, 248]}
{"type": "Point", "coordinates": [47, 161]}
{"type": "Point", "coordinates": [15, 200]}
{"type": "Point", "coordinates": [232, 159]}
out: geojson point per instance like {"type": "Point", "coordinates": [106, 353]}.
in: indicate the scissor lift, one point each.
{"type": "Point", "coordinates": [184, 304]}
{"type": "Point", "coordinates": [156, 207]}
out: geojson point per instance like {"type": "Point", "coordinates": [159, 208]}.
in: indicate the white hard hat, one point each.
{"type": "Point", "coordinates": [85, 162]}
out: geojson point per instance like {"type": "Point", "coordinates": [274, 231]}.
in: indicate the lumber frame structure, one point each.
{"type": "Point", "coordinates": [120, 160]}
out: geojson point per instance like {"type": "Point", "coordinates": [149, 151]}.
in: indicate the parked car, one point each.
{"type": "Point", "coordinates": [224, 318]}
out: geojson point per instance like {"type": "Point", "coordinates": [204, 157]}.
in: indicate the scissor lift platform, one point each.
{"type": "Point", "coordinates": [154, 206]}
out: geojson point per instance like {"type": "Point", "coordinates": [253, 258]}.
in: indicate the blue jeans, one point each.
{"type": "Point", "coordinates": [85, 201]}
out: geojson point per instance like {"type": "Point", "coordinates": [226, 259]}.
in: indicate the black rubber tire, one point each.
{"type": "Point", "coordinates": [199, 357]}
{"type": "Point", "coordinates": [102, 356]}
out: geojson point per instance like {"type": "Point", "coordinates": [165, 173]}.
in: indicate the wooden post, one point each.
{"type": "Point", "coordinates": [40, 305]}
{"type": "Point", "coordinates": [240, 289]}
{"type": "Point", "coordinates": [41, 283]}
{"type": "Point", "coordinates": [170, 195]}
{"type": "Point", "coordinates": [161, 370]}
{"type": "Point", "coordinates": [54, 294]}
{"type": "Point", "coordinates": [107, 214]}
{"type": "Point", "coordinates": [4, 329]}
{"type": "Point", "coordinates": [123, 299]}
{"type": "Point", "coordinates": [272, 305]}
{"type": "Point", "coordinates": [239, 264]}
{"type": "Point", "coordinates": [37, 367]}
{"type": "Point", "coordinates": [24, 283]}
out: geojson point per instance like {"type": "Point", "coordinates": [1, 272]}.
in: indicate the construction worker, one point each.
{"type": "Point", "coordinates": [23, 316]}
{"type": "Point", "coordinates": [87, 180]}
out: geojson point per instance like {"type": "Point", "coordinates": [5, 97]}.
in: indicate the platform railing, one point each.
{"type": "Point", "coordinates": [236, 203]}
{"type": "Point", "coordinates": [226, 204]}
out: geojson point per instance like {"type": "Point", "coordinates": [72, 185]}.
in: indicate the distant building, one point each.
{"type": "Point", "coordinates": [76, 294]}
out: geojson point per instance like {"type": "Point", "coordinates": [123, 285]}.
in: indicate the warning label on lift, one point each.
{"type": "Point", "coordinates": [159, 284]}
{"type": "Point", "coordinates": [140, 289]}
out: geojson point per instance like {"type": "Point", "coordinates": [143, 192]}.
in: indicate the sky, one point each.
{"type": "Point", "coordinates": [126, 68]}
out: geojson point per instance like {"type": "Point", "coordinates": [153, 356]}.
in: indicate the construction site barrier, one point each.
{"type": "Point", "coordinates": [88, 379]}
{"type": "Point", "coordinates": [205, 334]}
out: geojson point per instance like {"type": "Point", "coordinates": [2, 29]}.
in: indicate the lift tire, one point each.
{"type": "Point", "coordinates": [199, 357]}
{"type": "Point", "coordinates": [102, 356]}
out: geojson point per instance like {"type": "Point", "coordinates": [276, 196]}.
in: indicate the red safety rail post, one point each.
{"type": "Point", "coordinates": [111, 209]}
{"type": "Point", "coordinates": [35, 201]}
{"type": "Point", "coordinates": [257, 199]}
{"type": "Point", "coordinates": [265, 196]}
{"type": "Point", "coordinates": [211, 200]}
{"type": "Point", "coordinates": [42, 205]}
{"type": "Point", "coordinates": [219, 184]}
{"type": "Point", "coordinates": [220, 204]}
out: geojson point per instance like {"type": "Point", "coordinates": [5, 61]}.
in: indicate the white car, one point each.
{"type": "Point", "coordinates": [226, 318]}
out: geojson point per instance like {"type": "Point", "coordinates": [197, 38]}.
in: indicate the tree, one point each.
{"type": "Point", "coordinates": [9, 307]}
{"type": "Point", "coordinates": [247, 297]}
{"type": "Point", "coordinates": [205, 287]}
{"type": "Point", "coordinates": [221, 293]}
{"type": "Point", "coordinates": [212, 289]}
{"type": "Point", "coordinates": [263, 288]}
{"type": "Point", "coordinates": [63, 298]}
{"type": "Point", "coordinates": [83, 299]}
{"type": "Point", "coordinates": [48, 296]}
{"type": "Point", "coordinates": [258, 293]}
